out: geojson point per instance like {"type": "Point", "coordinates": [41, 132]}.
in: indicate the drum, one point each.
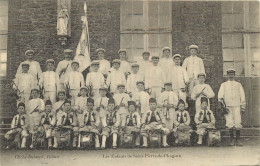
{"type": "Point", "coordinates": [39, 140]}
{"type": "Point", "coordinates": [183, 137]}
{"type": "Point", "coordinates": [87, 140]}
{"type": "Point", "coordinates": [213, 137]}
{"type": "Point", "coordinates": [155, 138]}
{"type": "Point", "coordinates": [127, 140]}
{"type": "Point", "coordinates": [64, 137]}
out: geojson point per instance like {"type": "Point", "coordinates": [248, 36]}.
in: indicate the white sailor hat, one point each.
{"type": "Point", "coordinates": [166, 48]}
{"type": "Point", "coordinates": [146, 52]}
{"type": "Point", "coordinates": [194, 47]}
{"type": "Point", "coordinates": [83, 87]}
{"type": "Point", "coordinates": [116, 61]}
{"type": "Point", "coordinates": [201, 74]}
{"type": "Point", "coordinates": [29, 52]}
{"type": "Point", "coordinates": [176, 55]}
{"type": "Point", "coordinates": [135, 65]}
{"type": "Point", "coordinates": [100, 49]}
{"type": "Point", "coordinates": [140, 82]}
{"type": "Point", "coordinates": [155, 57]}
{"type": "Point", "coordinates": [25, 64]}
{"type": "Point", "coordinates": [167, 83]}
{"type": "Point", "coordinates": [121, 50]}
{"type": "Point", "coordinates": [102, 88]}
{"type": "Point", "coordinates": [75, 62]}
{"type": "Point", "coordinates": [68, 51]}
{"type": "Point", "coordinates": [50, 61]}
{"type": "Point", "coordinates": [61, 91]}
{"type": "Point", "coordinates": [231, 70]}
{"type": "Point", "coordinates": [121, 85]}
{"type": "Point", "coordinates": [95, 62]}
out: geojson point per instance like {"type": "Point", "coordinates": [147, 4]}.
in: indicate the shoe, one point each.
{"type": "Point", "coordinates": [144, 146]}
{"type": "Point", "coordinates": [137, 146]}
{"type": "Point", "coordinates": [102, 148]}
{"type": "Point", "coordinates": [7, 147]}
{"type": "Point", "coordinates": [166, 146]}
{"type": "Point", "coordinates": [238, 143]}
{"type": "Point", "coordinates": [114, 147]}
{"type": "Point", "coordinates": [97, 148]}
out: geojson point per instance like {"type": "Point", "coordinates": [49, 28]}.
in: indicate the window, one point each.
{"type": "Point", "coordinates": [145, 25]}
{"type": "Point", "coordinates": [3, 36]}
{"type": "Point", "coordinates": [241, 37]}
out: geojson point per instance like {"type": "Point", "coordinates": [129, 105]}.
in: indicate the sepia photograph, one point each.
{"type": "Point", "coordinates": [129, 82]}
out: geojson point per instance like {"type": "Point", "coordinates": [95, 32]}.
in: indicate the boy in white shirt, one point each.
{"type": "Point", "coordinates": [121, 100]}
{"type": "Point", "coordinates": [49, 81]}
{"type": "Point", "coordinates": [102, 101]}
{"type": "Point", "coordinates": [73, 81]}
{"type": "Point", "coordinates": [115, 77]}
{"type": "Point", "coordinates": [232, 93]}
{"type": "Point", "coordinates": [94, 79]}
{"type": "Point", "coordinates": [132, 79]}
{"type": "Point", "coordinates": [194, 65]}
{"type": "Point", "coordinates": [35, 68]}
{"type": "Point", "coordinates": [23, 84]}
{"type": "Point", "coordinates": [145, 63]}
{"type": "Point", "coordinates": [104, 65]}
{"type": "Point", "coordinates": [81, 101]}
{"type": "Point", "coordinates": [155, 79]}
{"type": "Point", "coordinates": [124, 65]}
{"type": "Point", "coordinates": [166, 62]}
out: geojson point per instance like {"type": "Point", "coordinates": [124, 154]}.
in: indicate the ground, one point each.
{"type": "Point", "coordinates": [249, 154]}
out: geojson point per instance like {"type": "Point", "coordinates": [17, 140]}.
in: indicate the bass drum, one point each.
{"type": "Point", "coordinates": [64, 137]}
{"type": "Point", "coordinates": [213, 137]}
{"type": "Point", "coordinates": [127, 140]}
{"type": "Point", "coordinates": [155, 139]}
{"type": "Point", "coordinates": [87, 140]}
{"type": "Point", "coordinates": [184, 137]}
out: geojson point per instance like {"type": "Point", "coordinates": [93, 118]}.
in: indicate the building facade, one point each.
{"type": "Point", "coordinates": [227, 33]}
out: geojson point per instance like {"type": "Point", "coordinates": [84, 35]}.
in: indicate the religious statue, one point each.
{"type": "Point", "coordinates": [62, 22]}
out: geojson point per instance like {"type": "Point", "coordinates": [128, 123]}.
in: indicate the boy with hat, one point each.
{"type": "Point", "coordinates": [110, 120]}
{"type": "Point", "coordinates": [141, 98]}
{"type": "Point", "coordinates": [88, 120]}
{"type": "Point", "coordinates": [155, 79]}
{"type": "Point", "coordinates": [24, 83]}
{"type": "Point", "coordinates": [194, 65]}
{"type": "Point", "coordinates": [204, 119]}
{"type": "Point", "coordinates": [201, 90]}
{"type": "Point", "coordinates": [81, 101]}
{"type": "Point", "coordinates": [145, 63]}
{"type": "Point", "coordinates": [64, 67]}
{"type": "Point", "coordinates": [61, 99]}
{"type": "Point", "coordinates": [124, 65]}
{"type": "Point", "coordinates": [132, 80]}
{"type": "Point", "coordinates": [102, 101]}
{"type": "Point", "coordinates": [73, 81]}
{"type": "Point", "coordinates": [49, 81]}
{"type": "Point", "coordinates": [168, 103]}
{"type": "Point", "coordinates": [154, 119]}
{"type": "Point", "coordinates": [121, 100]}
{"type": "Point", "coordinates": [35, 68]}
{"type": "Point", "coordinates": [65, 118]}
{"type": "Point", "coordinates": [19, 124]}
{"type": "Point", "coordinates": [115, 77]}
{"type": "Point", "coordinates": [94, 79]}
{"type": "Point", "coordinates": [179, 78]}
{"type": "Point", "coordinates": [181, 120]}
{"type": "Point", "coordinates": [132, 121]}
{"type": "Point", "coordinates": [166, 62]}
{"type": "Point", "coordinates": [48, 122]}
{"type": "Point", "coordinates": [232, 93]}
{"type": "Point", "coordinates": [104, 65]}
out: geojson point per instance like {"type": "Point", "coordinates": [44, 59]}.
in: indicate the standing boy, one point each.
{"type": "Point", "coordinates": [145, 63]}
{"type": "Point", "coordinates": [104, 65]}
{"type": "Point", "coordinates": [124, 65]}
{"type": "Point", "coordinates": [132, 79]}
{"type": "Point", "coordinates": [166, 62]}
{"type": "Point", "coordinates": [232, 93]}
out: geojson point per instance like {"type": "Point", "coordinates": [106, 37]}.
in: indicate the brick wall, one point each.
{"type": "Point", "coordinates": [32, 25]}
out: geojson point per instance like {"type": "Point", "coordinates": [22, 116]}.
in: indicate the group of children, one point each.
{"type": "Point", "coordinates": [138, 98]}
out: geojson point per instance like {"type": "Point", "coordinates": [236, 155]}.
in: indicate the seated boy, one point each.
{"type": "Point", "coordinates": [132, 122]}
{"type": "Point", "coordinates": [81, 101]}
{"type": "Point", "coordinates": [65, 118]}
{"type": "Point", "coordinates": [19, 125]}
{"type": "Point", "coordinates": [101, 102]}
{"type": "Point", "coordinates": [88, 120]}
{"type": "Point", "coordinates": [110, 120]}
{"type": "Point", "coordinates": [154, 119]}
{"type": "Point", "coordinates": [204, 119]}
{"type": "Point", "coordinates": [121, 100]}
{"type": "Point", "coordinates": [181, 120]}
{"type": "Point", "coordinates": [48, 122]}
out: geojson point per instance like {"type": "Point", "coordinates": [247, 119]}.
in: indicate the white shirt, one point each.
{"type": "Point", "coordinates": [233, 93]}
{"type": "Point", "coordinates": [142, 98]}
{"type": "Point", "coordinates": [81, 103]}
{"type": "Point", "coordinates": [194, 66]}
{"type": "Point", "coordinates": [178, 77]}
{"type": "Point", "coordinates": [24, 82]}
{"type": "Point", "coordinates": [125, 67]}
{"type": "Point", "coordinates": [74, 79]}
{"type": "Point", "coordinates": [197, 89]}
{"type": "Point", "coordinates": [65, 64]}
{"type": "Point", "coordinates": [154, 77]}
{"type": "Point", "coordinates": [95, 79]}
{"type": "Point", "coordinates": [114, 78]}
{"type": "Point", "coordinates": [104, 66]}
{"type": "Point", "coordinates": [144, 66]}
{"type": "Point", "coordinates": [58, 105]}
{"type": "Point", "coordinates": [169, 97]}
{"type": "Point", "coordinates": [121, 98]}
{"type": "Point", "coordinates": [50, 81]}
{"type": "Point", "coordinates": [131, 82]}
{"type": "Point", "coordinates": [35, 104]}
{"type": "Point", "coordinates": [166, 65]}
{"type": "Point", "coordinates": [34, 69]}
{"type": "Point", "coordinates": [101, 100]}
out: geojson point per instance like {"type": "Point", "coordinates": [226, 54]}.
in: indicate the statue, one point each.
{"type": "Point", "coordinates": [62, 22]}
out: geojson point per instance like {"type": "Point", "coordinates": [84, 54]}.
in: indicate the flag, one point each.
{"type": "Point", "coordinates": [83, 48]}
